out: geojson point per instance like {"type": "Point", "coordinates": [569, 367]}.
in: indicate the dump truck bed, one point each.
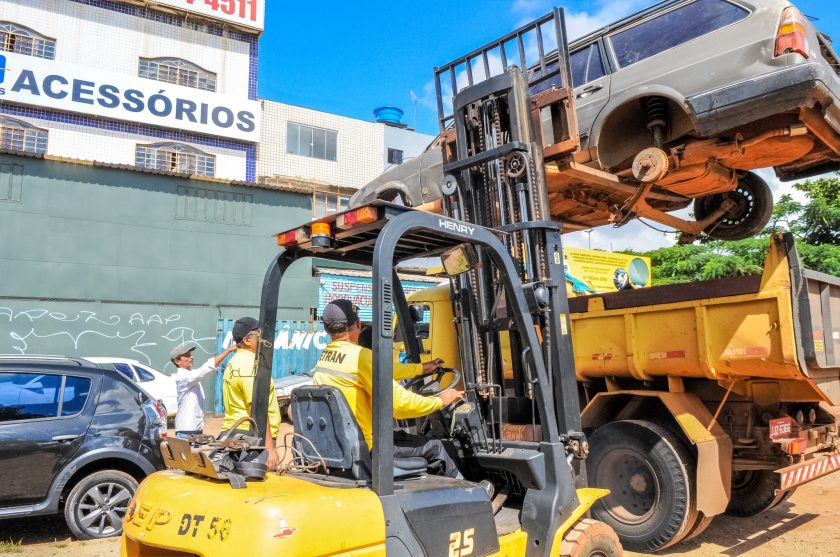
{"type": "Point", "coordinates": [782, 325]}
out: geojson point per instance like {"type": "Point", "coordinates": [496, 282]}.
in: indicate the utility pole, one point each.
{"type": "Point", "coordinates": [414, 100]}
{"type": "Point", "coordinates": [589, 236]}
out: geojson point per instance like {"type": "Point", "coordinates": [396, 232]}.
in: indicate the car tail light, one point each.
{"type": "Point", "coordinates": [292, 237]}
{"type": "Point", "coordinates": [358, 217]}
{"type": "Point", "coordinates": [793, 34]}
{"type": "Point", "coordinates": [159, 411]}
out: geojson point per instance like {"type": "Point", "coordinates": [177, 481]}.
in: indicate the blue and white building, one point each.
{"type": "Point", "coordinates": [168, 85]}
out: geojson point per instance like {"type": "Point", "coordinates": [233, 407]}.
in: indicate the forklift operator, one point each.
{"type": "Point", "coordinates": [349, 367]}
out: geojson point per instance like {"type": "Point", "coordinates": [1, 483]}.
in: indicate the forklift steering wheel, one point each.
{"type": "Point", "coordinates": [428, 384]}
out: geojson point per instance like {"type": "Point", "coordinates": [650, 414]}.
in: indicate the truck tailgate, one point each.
{"type": "Point", "coordinates": [783, 325]}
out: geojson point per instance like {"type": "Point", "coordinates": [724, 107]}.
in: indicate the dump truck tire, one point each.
{"type": "Point", "coordinates": [753, 492]}
{"type": "Point", "coordinates": [650, 476]}
{"type": "Point", "coordinates": [590, 538]}
{"type": "Point", "coordinates": [700, 524]}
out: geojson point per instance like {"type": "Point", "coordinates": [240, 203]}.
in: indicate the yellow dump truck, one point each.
{"type": "Point", "coordinates": [698, 398]}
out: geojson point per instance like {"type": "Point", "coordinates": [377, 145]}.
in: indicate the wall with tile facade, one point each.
{"type": "Point", "coordinates": [361, 146]}
{"type": "Point", "coordinates": [113, 36]}
{"type": "Point", "coordinates": [407, 141]}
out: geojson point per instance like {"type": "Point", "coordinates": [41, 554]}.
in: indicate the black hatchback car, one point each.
{"type": "Point", "coordinates": [76, 439]}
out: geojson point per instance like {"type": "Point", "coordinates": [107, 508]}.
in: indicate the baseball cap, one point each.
{"type": "Point", "coordinates": [339, 311]}
{"type": "Point", "coordinates": [182, 349]}
{"type": "Point", "coordinates": [242, 327]}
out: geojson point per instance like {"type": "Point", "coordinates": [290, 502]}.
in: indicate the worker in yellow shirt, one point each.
{"type": "Point", "coordinates": [349, 367]}
{"type": "Point", "coordinates": [238, 385]}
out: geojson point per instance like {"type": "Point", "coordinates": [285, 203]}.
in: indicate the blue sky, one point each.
{"type": "Point", "coordinates": [348, 58]}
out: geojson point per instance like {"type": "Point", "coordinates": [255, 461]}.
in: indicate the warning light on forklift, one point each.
{"type": "Point", "coordinates": [320, 229]}
{"type": "Point", "coordinates": [321, 235]}
{"type": "Point", "coordinates": [358, 217]}
{"type": "Point", "coordinates": [292, 237]}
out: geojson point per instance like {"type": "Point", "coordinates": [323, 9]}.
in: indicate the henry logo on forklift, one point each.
{"type": "Point", "coordinates": [456, 226]}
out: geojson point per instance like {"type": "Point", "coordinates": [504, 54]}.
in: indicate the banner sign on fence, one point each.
{"type": "Point", "coordinates": [605, 271]}
{"type": "Point", "coordinates": [359, 291]}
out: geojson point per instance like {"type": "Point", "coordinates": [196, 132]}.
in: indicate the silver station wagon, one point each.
{"type": "Point", "coordinates": [680, 102]}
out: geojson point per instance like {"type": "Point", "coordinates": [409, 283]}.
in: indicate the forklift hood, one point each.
{"type": "Point", "coordinates": [283, 515]}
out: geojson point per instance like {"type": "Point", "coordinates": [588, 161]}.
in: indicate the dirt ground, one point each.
{"type": "Point", "coordinates": [806, 524]}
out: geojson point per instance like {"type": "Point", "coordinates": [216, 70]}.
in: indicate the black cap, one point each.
{"type": "Point", "coordinates": [340, 311]}
{"type": "Point", "coordinates": [243, 326]}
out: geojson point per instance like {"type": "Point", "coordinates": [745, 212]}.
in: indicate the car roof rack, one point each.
{"type": "Point", "coordinates": [41, 358]}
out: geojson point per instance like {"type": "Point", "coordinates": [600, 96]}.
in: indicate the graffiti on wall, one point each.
{"type": "Point", "coordinates": [146, 337]}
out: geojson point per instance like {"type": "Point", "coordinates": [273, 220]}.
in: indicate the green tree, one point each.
{"type": "Point", "coordinates": [814, 224]}
{"type": "Point", "coordinates": [820, 218]}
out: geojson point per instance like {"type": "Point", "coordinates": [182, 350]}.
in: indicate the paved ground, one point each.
{"type": "Point", "coordinates": [804, 525]}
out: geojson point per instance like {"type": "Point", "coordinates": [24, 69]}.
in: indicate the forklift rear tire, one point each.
{"type": "Point", "coordinates": [590, 538]}
{"type": "Point", "coordinates": [753, 492]}
{"type": "Point", "coordinates": [650, 476]}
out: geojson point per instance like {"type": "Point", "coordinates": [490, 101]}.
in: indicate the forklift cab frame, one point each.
{"type": "Point", "coordinates": [380, 235]}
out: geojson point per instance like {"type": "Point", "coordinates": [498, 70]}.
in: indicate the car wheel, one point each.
{"type": "Point", "coordinates": [754, 206]}
{"type": "Point", "coordinates": [97, 504]}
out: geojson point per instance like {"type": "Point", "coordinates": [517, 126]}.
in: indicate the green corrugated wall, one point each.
{"type": "Point", "coordinates": [107, 262]}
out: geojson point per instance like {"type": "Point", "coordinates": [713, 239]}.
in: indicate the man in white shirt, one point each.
{"type": "Point", "coordinates": [190, 417]}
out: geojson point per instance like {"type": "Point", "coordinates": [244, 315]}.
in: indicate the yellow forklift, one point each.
{"type": "Point", "coordinates": [339, 497]}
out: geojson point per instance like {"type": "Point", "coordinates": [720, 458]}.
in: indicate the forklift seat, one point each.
{"type": "Point", "coordinates": [322, 416]}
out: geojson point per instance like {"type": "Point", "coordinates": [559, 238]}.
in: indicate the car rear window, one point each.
{"type": "Point", "coordinates": [673, 28]}
{"type": "Point", "coordinates": [587, 65]}
{"type": "Point", "coordinates": [125, 369]}
{"type": "Point", "coordinates": [143, 374]}
{"type": "Point", "coordinates": [76, 391]}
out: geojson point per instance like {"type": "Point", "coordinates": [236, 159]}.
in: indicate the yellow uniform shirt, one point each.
{"type": "Point", "coordinates": [238, 390]}
{"type": "Point", "coordinates": [349, 368]}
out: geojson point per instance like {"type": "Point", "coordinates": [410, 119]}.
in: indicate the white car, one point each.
{"type": "Point", "coordinates": [159, 385]}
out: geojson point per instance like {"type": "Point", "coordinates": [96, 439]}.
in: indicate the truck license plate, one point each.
{"type": "Point", "coordinates": [781, 428]}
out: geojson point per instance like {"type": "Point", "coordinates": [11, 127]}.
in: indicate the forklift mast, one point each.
{"type": "Point", "coordinates": [512, 109]}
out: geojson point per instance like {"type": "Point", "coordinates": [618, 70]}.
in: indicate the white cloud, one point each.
{"type": "Point", "coordinates": [578, 23]}
{"type": "Point", "coordinates": [634, 235]}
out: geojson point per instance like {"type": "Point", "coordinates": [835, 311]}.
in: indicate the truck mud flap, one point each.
{"type": "Point", "coordinates": [808, 471]}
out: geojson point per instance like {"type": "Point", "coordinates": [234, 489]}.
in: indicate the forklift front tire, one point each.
{"type": "Point", "coordinates": [591, 538]}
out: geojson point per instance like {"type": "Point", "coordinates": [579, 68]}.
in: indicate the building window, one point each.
{"type": "Point", "coordinates": [175, 157]}
{"type": "Point", "coordinates": [16, 135]}
{"type": "Point", "coordinates": [311, 142]}
{"type": "Point", "coordinates": [26, 41]}
{"type": "Point", "coordinates": [395, 156]}
{"type": "Point", "coordinates": [177, 71]}
{"type": "Point", "coordinates": [327, 203]}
